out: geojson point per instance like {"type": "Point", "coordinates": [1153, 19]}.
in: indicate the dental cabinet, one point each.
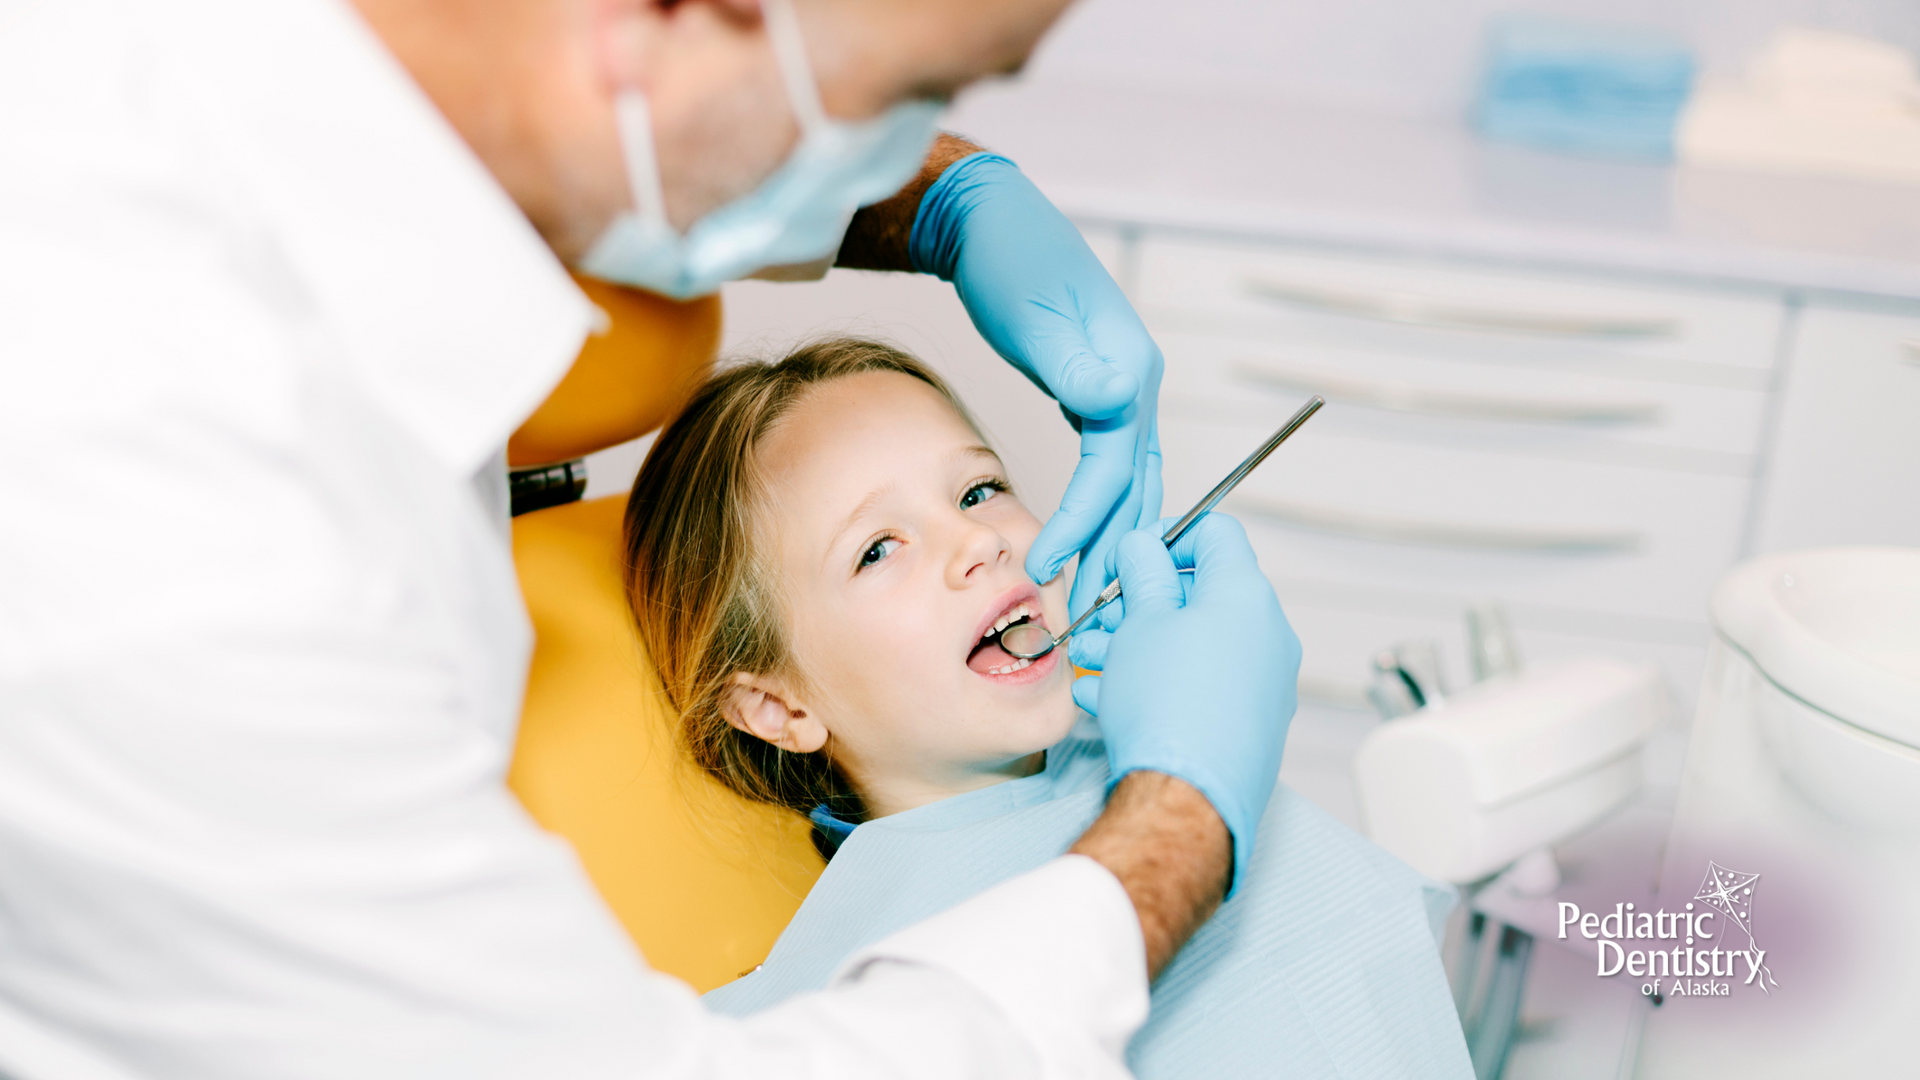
{"type": "Point", "coordinates": [1591, 449]}
{"type": "Point", "coordinates": [1582, 450]}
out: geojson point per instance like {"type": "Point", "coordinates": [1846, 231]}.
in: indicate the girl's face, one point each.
{"type": "Point", "coordinates": [899, 546]}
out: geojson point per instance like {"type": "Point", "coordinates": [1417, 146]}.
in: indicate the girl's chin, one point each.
{"type": "Point", "coordinates": [1041, 725]}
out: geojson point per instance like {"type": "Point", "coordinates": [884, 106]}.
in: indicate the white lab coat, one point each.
{"type": "Point", "coordinates": [262, 317]}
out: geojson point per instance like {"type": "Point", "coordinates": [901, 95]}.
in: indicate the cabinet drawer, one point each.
{"type": "Point", "coordinates": [1466, 523]}
{"type": "Point", "coordinates": [1458, 312]}
{"type": "Point", "coordinates": [1524, 409]}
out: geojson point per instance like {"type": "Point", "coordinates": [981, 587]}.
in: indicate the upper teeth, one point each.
{"type": "Point", "coordinates": [1020, 611]}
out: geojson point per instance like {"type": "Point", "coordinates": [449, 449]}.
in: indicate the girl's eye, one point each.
{"type": "Point", "coordinates": [981, 492]}
{"type": "Point", "coordinates": [880, 549]}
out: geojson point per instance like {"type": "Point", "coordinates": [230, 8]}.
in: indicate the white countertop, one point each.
{"type": "Point", "coordinates": [1145, 155]}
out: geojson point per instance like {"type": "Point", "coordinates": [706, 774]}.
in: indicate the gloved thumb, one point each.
{"type": "Point", "coordinates": [1088, 649]}
{"type": "Point", "coordinates": [1090, 387]}
{"type": "Point", "coordinates": [1086, 693]}
{"type": "Point", "coordinates": [1148, 578]}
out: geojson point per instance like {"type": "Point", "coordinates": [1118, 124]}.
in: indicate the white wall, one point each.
{"type": "Point", "coordinates": [1402, 57]}
{"type": "Point", "coordinates": [922, 314]}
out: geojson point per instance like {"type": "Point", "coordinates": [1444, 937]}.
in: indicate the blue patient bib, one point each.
{"type": "Point", "coordinates": [1325, 964]}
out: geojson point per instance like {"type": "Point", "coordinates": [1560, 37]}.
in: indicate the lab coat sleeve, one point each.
{"type": "Point", "coordinates": [1041, 976]}
{"type": "Point", "coordinates": [1058, 950]}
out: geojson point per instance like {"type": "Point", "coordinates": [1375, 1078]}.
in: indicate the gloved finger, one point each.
{"type": "Point", "coordinates": [1098, 557]}
{"type": "Point", "coordinates": [1222, 558]}
{"type": "Point", "coordinates": [1088, 649]}
{"type": "Point", "coordinates": [1094, 387]}
{"type": "Point", "coordinates": [1114, 614]}
{"type": "Point", "coordinates": [1159, 527]}
{"type": "Point", "coordinates": [1086, 693]}
{"type": "Point", "coordinates": [1098, 553]}
{"type": "Point", "coordinates": [1139, 507]}
{"type": "Point", "coordinates": [1117, 333]}
{"type": "Point", "coordinates": [1148, 481]}
{"type": "Point", "coordinates": [1147, 574]}
{"type": "Point", "coordinates": [1114, 332]}
{"type": "Point", "coordinates": [1111, 616]}
{"type": "Point", "coordinates": [1102, 484]}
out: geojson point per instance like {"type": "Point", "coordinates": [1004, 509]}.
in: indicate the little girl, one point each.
{"type": "Point", "coordinates": [823, 552]}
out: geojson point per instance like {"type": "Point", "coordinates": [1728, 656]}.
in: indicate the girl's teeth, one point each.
{"type": "Point", "coordinates": [1017, 665]}
{"type": "Point", "coordinates": [1008, 619]}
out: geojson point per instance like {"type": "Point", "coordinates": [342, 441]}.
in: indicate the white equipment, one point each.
{"type": "Point", "coordinates": [1508, 766]}
{"type": "Point", "coordinates": [1804, 769]}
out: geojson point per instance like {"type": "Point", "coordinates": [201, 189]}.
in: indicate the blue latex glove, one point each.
{"type": "Point", "coordinates": [1043, 301]}
{"type": "Point", "coordinates": [1199, 679]}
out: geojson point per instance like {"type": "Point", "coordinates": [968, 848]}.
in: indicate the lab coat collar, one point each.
{"type": "Point", "coordinates": [453, 313]}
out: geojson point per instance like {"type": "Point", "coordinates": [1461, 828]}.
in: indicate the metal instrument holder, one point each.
{"type": "Point", "coordinates": [1488, 989]}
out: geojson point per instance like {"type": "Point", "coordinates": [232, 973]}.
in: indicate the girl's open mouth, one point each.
{"type": "Point", "coordinates": [988, 658]}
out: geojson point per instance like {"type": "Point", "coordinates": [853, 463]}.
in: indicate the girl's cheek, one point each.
{"type": "Point", "coordinates": [1022, 530]}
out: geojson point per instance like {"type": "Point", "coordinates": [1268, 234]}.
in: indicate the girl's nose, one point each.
{"type": "Point", "coordinates": [978, 550]}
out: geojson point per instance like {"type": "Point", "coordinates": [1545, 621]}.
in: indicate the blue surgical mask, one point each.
{"type": "Point", "coordinates": [798, 215]}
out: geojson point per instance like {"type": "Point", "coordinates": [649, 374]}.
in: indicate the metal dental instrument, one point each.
{"type": "Point", "coordinates": [1029, 641]}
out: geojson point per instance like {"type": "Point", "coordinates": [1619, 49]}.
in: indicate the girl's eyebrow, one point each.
{"type": "Point", "coordinates": [862, 509]}
{"type": "Point", "coordinates": [977, 450]}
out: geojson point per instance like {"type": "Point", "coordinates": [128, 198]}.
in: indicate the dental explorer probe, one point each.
{"type": "Point", "coordinates": [1029, 641]}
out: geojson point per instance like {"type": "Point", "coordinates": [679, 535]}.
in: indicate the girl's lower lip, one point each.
{"type": "Point", "coordinates": [1032, 673]}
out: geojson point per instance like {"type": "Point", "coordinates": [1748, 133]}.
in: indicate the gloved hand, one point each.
{"type": "Point", "coordinates": [1199, 679]}
{"type": "Point", "coordinates": [1043, 301]}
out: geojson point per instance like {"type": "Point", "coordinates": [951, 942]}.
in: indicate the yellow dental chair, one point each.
{"type": "Point", "coordinates": [702, 879]}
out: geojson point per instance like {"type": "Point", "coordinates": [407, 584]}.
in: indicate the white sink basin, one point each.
{"type": "Point", "coordinates": [1838, 628]}
{"type": "Point", "coordinates": [1835, 633]}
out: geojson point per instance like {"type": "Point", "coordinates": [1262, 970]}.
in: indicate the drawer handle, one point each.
{"type": "Point", "coordinates": [1410, 398]}
{"type": "Point", "coordinates": [1420, 311]}
{"type": "Point", "coordinates": [1437, 533]}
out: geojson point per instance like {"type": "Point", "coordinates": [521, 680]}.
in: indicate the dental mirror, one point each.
{"type": "Point", "coordinates": [1029, 641]}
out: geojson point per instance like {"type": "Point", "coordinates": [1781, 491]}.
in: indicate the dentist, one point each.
{"type": "Point", "coordinates": [276, 283]}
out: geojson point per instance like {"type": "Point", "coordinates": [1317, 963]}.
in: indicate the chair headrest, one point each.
{"type": "Point", "coordinates": [629, 378]}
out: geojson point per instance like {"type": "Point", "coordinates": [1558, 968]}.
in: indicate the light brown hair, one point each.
{"type": "Point", "coordinates": [708, 602]}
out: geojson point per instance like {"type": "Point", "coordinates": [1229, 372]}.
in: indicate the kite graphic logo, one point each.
{"type": "Point", "coordinates": [1687, 947]}
{"type": "Point", "coordinates": [1730, 892]}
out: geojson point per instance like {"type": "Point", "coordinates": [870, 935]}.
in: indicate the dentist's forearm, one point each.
{"type": "Point", "coordinates": [877, 237]}
{"type": "Point", "coordinates": [1172, 854]}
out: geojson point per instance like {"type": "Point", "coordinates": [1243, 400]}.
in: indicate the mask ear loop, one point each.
{"type": "Point", "coordinates": [790, 52]}
{"type": "Point", "coordinates": [634, 119]}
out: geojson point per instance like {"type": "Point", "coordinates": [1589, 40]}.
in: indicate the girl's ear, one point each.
{"type": "Point", "coordinates": [763, 706]}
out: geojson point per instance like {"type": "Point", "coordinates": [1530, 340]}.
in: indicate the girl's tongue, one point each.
{"type": "Point", "coordinates": [989, 656]}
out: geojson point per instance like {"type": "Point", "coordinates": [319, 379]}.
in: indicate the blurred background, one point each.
{"type": "Point", "coordinates": [1604, 298]}
{"type": "Point", "coordinates": [1411, 58]}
